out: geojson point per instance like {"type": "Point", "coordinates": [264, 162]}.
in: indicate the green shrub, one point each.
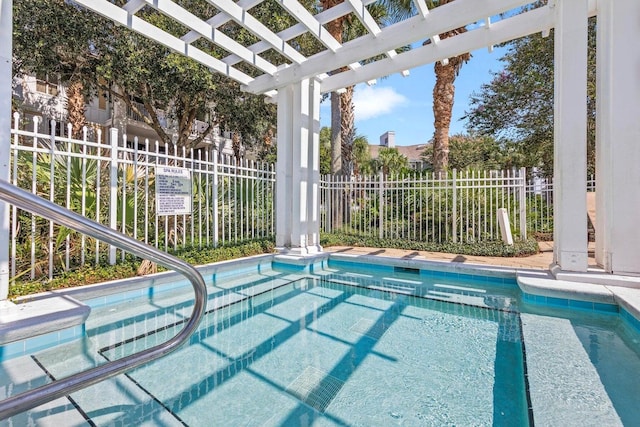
{"type": "Point", "coordinates": [491, 248]}
{"type": "Point", "coordinates": [89, 274]}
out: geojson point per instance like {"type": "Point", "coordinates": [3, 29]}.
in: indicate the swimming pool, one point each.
{"type": "Point", "coordinates": [347, 344]}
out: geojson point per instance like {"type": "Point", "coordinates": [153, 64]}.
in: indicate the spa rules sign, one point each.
{"type": "Point", "coordinates": [173, 190]}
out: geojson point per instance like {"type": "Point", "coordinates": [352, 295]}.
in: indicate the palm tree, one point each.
{"type": "Point", "coordinates": [343, 132]}
{"type": "Point", "coordinates": [443, 95]}
{"type": "Point", "coordinates": [335, 28]}
{"type": "Point", "coordinates": [444, 89]}
{"type": "Point", "coordinates": [390, 161]}
{"type": "Point", "coordinates": [361, 156]}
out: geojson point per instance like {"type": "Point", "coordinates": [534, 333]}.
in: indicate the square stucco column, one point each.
{"type": "Point", "coordinates": [570, 135]}
{"type": "Point", "coordinates": [618, 136]}
{"type": "Point", "coordinates": [298, 169]}
{"type": "Point", "coordinates": [6, 26]}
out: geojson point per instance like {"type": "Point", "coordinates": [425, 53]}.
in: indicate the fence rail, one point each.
{"type": "Point", "coordinates": [460, 206]}
{"type": "Point", "coordinates": [457, 207]}
{"type": "Point", "coordinates": [113, 182]}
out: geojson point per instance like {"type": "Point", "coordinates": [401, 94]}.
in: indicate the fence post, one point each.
{"type": "Point", "coordinates": [381, 206]}
{"type": "Point", "coordinates": [454, 208]}
{"type": "Point", "coordinates": [6, 31]}
{"type": "Point", "coordinates": [523, 203]}
{"type": "Point", "coordinates": [113, 189]}
{"type": "Point", "coordinates": [214, 196]}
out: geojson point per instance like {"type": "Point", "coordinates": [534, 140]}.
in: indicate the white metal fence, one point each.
{"type": "Point", "coordinates": [460, 206]}
{"type": "Point", "coordinates": [112, 181]}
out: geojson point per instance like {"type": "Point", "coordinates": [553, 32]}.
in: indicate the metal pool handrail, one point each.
{"type": "Point", "coordinates": [62, 387]}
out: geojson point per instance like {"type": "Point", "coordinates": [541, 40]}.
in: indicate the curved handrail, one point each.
{"type": "Point", "coordinates": [64, 386]}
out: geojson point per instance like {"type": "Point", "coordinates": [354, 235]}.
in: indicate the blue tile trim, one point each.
{"type": "Point", "coordinates": [570, 303]}
{"type": "Point", "coordinates": [608, 308]}
{"type": "Point", "coordinates": [630, 320]}
{"type": "Point", "coordinates": [432, 274]}
{"type": "Point", "coordinates": [31, 345]}
{"type": "Point", "coordinates": [376, 267]}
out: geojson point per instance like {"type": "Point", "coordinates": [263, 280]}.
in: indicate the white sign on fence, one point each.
{"type": "Point", "coordinates": [173, 190]}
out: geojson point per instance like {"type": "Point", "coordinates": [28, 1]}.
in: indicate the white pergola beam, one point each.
{"type": "Point", "coordinates": [453, 15]}
{"type": "Point", "coordinates": [122, 17]}
{"type": "Point", "coordinates": [186, 18]}
{"type": "Point", "coordinates": [256, 27]}
{"type": "Point", "coordinates": [514, 27]}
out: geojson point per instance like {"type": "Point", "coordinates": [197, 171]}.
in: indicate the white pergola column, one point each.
{"type": "Point", "coordinates": [570, 135]}
{"type": "Point", "coordinates": [298, 169]}
{"type": "Point", "coordinates": [6, 43]}
{"type": "Point", "coordinates": [618, 137]}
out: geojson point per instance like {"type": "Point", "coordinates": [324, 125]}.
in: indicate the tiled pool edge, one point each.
{"type": "Point", "coordinates": [537, 287]}
{"type": "Point", "coordinates": [115, 291]}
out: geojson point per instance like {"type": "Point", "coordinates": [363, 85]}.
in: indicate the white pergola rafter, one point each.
{"type": "Point", "coordinates": [442, 19]}
{"type": "Point", "coordinates": [501, 31]}
{"type": "Point", "coordinates": [133, 6]}
{"type": "Point", "coordinates": [219, 19]}
{"type": "Point", "coordinates": [241, 17]}
{"type": "Point", "coordinates": [124, 18]}
{"type": "Point", "coordinates": [209, 32]}
{"type": "Point", "coordinates": [298, 29]}
{"type": "Point", "coordinates": [421, 6]}
{"type": "Point", "coordinates": [310, 23]}
{"type": "Point", "coordinates": [360, 10]}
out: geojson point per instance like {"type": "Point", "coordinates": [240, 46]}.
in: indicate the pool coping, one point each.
{"type": "Point", "coordinates": [37, 317]}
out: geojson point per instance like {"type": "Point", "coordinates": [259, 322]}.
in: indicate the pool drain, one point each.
{"type": "Point", "coordinates": [316, 388]}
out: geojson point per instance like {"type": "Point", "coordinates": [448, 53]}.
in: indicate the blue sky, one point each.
{"type": "Point", "coordinates": [404, 104]}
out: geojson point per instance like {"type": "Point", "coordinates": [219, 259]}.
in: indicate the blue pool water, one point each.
{"type": "Point", "coordinates": [346, 345]}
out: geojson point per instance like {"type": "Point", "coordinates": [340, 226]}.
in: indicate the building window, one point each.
{"type": "Point", "coordinates": [44, 85]}
{"type": "Point", "coordinates": [102, 96]}
{"type": "Point", "coordinates": [102, 101]}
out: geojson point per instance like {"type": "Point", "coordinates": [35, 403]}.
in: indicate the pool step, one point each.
{"type": "Point", "coordinates": [565, 386]}
{"type": "Point", "coordinates": [40, 316]}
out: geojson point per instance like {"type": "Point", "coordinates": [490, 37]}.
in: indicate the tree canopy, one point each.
{"type": "Point", "coordinates": [479, 152]}
{"type": "Point", "coordinates": [170, 92]}
{"type": "Point", "coordinates": [517, 105]}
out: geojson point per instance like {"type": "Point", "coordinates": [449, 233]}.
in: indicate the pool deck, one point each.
{"type": "Point", "coordinates": [539, 261]}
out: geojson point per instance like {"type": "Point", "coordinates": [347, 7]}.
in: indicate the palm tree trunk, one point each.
{"type": "Point", "coordinates": [443, 94]}
{"type": "Point", "coordinates": [347, 129]}
{"type": "Point", "coordinates": [336, 139]}
{"type": "Point", "coordinates": [76, 108]}
{"type": "Point", "coordinates": [236, 145]}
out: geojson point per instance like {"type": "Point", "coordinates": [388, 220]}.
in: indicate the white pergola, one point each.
{"type": "Point", "coordinates": [297, 85]}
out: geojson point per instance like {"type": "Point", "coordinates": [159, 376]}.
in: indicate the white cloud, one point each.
{"type": "Point", "coordinates": [372, 101]}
